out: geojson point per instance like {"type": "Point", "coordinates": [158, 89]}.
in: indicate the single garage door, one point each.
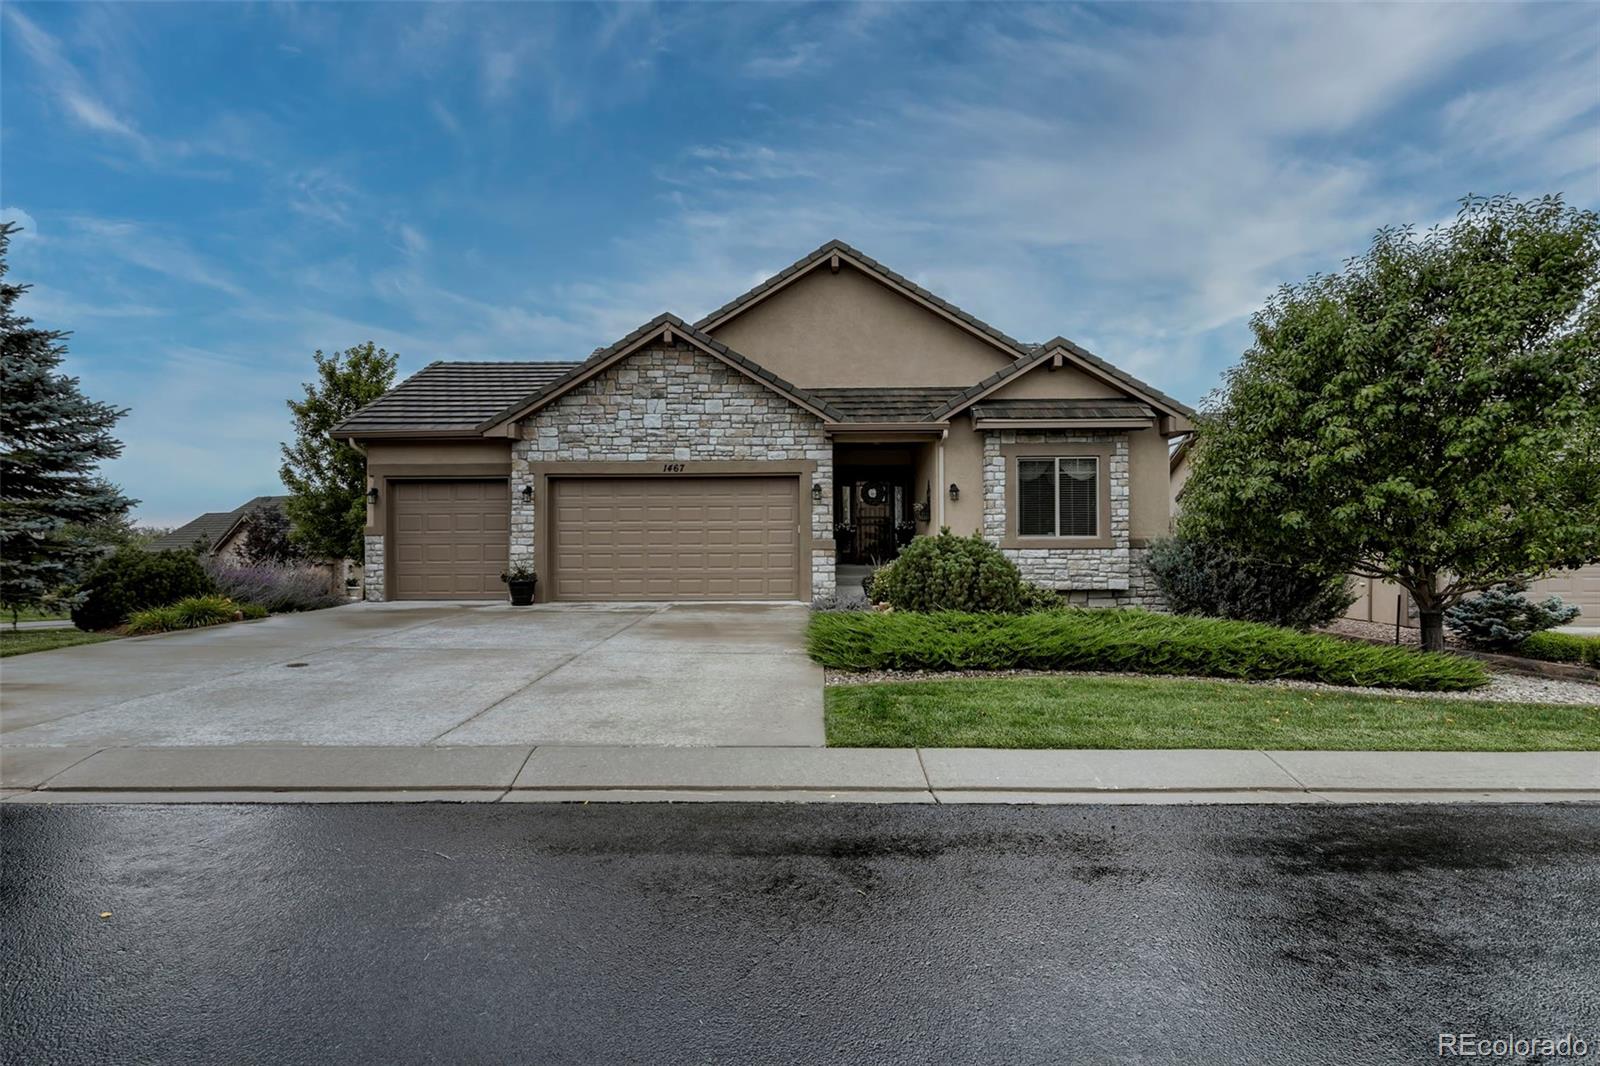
{"type": "Point", "coordinates": [1580, 586]}
{"type": "Point", "coordinates": [451, 539]}
{"type": "Point", "coordinates": [717, 538]}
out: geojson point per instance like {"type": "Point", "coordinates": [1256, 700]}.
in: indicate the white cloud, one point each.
{"type": "Point", "coordinates": [784, 63]}
{"type": "Point", "coordinates": [29, 228]}
{"type": "Point", "coordinates": [64, 79]}
{"type": "Point", "coordinates": [152, 250]}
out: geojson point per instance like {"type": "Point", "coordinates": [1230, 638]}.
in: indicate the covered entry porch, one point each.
{"type": "Point", "coordinates": [885, 492]}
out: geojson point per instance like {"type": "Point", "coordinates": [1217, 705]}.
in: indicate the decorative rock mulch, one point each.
{"type": "Point", "coordinates": [1508, 688]}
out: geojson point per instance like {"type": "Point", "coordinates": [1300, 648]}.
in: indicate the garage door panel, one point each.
{"type": "Point", "coordinates": [675, 538]}
{"type": "Point", "coordinates": [1581, 586]}
{"type": "Point", "coordinates": [451, 538]}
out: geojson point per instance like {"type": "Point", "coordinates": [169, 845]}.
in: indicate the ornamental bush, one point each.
{"type": "Point", "coordinates": [132, 579]}
{"type": "Point", "coordinates": [1504, 616]}
{"type": "Point", "coordinates": [193, 612]}
{"type": "Point", "coordinates": [276, 587]}
{"type": "Point", "coordinates": [951, 573]}
{"type": "Point", "coordinates": [1203, 577]}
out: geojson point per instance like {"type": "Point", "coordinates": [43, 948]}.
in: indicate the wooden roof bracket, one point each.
{"type": "Point", "coordinates": [833, 262]}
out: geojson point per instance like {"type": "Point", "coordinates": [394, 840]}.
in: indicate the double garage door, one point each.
{"type": "Point", "coordinates": [667, 538]}
{"type": "Point", "coordinates": [716, 538]}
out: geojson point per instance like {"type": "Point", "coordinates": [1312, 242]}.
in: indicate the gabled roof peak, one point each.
{"type": "Point", "coordinates": [865, 263]}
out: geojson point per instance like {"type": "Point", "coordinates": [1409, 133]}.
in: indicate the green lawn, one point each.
{"type": "Point", "coordinates": [22, 641]}
{"type": "Point", "coordinates": [35, 614]}
{"type": "Point", "coordinates": [1096, 712]}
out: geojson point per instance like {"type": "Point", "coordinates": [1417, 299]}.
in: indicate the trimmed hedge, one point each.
{"type": "Point", "coordinates": [1123, 641]}
{"type": "Point", "coordinates": [1561, 648]}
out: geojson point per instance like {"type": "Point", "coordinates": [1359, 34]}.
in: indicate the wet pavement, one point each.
{"type": "Point", "coordinates": [750, 933]}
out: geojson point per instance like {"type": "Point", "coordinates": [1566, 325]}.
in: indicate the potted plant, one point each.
{"type": "Point", "coordinates": [520, 579]}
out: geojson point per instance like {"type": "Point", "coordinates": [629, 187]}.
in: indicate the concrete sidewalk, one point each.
{"type": "Point", "coordinates": [519, 773]}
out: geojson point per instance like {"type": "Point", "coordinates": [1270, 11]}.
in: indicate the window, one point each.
{"type": "Point", "coordinates": [1058, 497]}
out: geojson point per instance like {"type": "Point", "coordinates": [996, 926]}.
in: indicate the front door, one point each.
{"type": "Point", "coordinates": [873, 509]}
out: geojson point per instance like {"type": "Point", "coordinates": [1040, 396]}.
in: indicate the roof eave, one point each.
{"type": "Point", "coordinates": [1063, 423]}
{"type": "Point", "coordinates": [846, 427]}
{"type": "Point", "coordinates": [354, 435]}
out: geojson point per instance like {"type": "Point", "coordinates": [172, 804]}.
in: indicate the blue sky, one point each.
{"type": "Point", "coordinates": [211, 192]}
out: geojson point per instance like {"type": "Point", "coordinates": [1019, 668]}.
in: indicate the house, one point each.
{"type": "Point", "coordinates": [1386, 603]}
{"type": "Point", "coordinates": [218, 533]}
{"type": "Point", "coordinates": [224, 535]}
{"type": "Point", "coordinates": [819, 420]}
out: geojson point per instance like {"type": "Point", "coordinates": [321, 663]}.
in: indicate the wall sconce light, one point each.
{"type": "Point", "coordinates": [955, 491]}
{"type": "Point", "coordinates": [527, 494]}
{"type": "Point", "coordinates": [372, 495]}
{"type": "Point", "coordinates": [816, 492]}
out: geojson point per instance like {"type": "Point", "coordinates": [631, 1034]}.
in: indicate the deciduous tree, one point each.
{"type": "Point", "coordinates": [326, 478]}
{"type": "Point", "coordinates": [1430, 415]}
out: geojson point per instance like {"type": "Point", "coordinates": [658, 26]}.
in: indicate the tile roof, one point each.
{"type": "Point", "coordinates": [212, 527]}
{"type": "Point", "coordinates": [1060, 409]}
{"type": "Point", "coordinates": [805, 263]}
{"type": "Point", "coordinates": [886, 404]}
{"type": "Point", "coordinates": [656, 324]}
{"type": "Point", "coordinates": [450, 397]}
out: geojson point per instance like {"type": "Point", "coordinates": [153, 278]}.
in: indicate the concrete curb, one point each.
{"type": "Point", "coordinates": [778, 774]}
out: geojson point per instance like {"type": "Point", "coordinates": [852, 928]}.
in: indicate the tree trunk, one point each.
{"type": "Point", "coordinates": [1432, 630]}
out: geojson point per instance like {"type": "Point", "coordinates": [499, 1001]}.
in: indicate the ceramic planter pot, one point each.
{"type": "Point", "coordinates": [522, 592]}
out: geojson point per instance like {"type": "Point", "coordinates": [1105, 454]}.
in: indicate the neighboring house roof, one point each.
{"type": "Point", "coordinates": [450, 398]}
{"type": "Point", "coordinates": [1060, 410]}
{"type": "Point", "coordinates": [215, 528]}
{"type": "Point", "coordinates": [896, 404]}
{"type": "Point", "coordinates": [861, 261]}
{"type": "Point", "coordinates": [667, 327]}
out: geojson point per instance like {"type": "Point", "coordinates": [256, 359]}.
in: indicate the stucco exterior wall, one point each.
{"type": "Point", "coordinates": [847, 329]}
{"type": "Point", "coordinates": [1150, 499]}
{"type": "Point", "coordinates": [665, 405]}
{"type": "Point", "coordinates": [1066, 383]}
{"type": "Point", "coordinates": [963, 467]}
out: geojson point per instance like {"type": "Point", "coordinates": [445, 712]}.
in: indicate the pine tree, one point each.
{"type": "Point", "coordinates": [52, 439]}
{"type": "Point", "coordinates": [327, 478]}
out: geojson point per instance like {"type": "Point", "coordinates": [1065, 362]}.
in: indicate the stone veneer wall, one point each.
{"type": "Point", "coordinates": [372, 574]}
{"type": "Point", "coordinates": [1095, 576]}
{"type": "Point", "coordinates": [674, 404]}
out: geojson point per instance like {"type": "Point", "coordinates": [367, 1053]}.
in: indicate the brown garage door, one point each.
{"type": "Point", "coordinates": [719, 538]}
{"type": "Point", "coordinates": [451, 539]}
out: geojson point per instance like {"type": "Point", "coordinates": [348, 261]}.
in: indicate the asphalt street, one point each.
{"type": "Point", "coordinates": [753, 933]}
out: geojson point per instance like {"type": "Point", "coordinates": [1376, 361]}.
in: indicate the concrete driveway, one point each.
{"type": "Point", "coordinates": [434, 674]}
